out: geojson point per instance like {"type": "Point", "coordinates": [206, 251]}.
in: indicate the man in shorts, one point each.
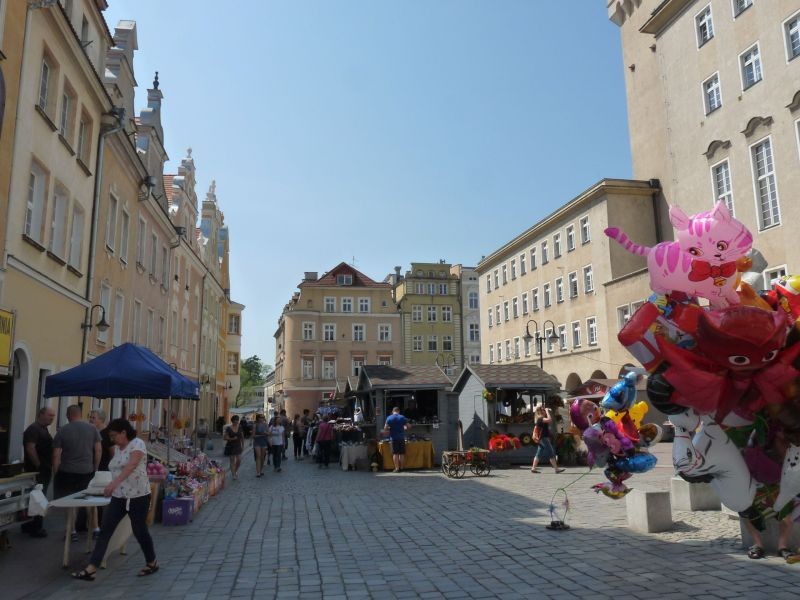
{"type": "Point", "coordinates": [396, 425]}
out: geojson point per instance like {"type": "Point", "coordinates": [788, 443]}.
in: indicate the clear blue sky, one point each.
{"type": "Point", "coordinates": [388, 131]}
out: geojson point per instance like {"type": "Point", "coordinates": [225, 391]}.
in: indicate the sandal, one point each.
{"type": "Point", "coordinates": [149, 569]}
{"type": "Point", "coordinates": [755, 552]}
{"type": "Point", "coordinates": [535, 471]}
{"type": "Point", "coordinates": [85, 575]}
{"type": "Point", "coordinates": [785, 553]}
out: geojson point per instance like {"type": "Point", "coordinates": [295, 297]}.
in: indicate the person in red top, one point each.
{"type": "Point", "coordinates": [324, 441]}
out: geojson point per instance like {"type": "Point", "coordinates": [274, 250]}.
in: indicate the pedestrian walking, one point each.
{"type": "Point", "coordinates": [38, 445]}
{"type": "Point", "coordinates": [542, 433]}
{"type": "Point", "coordinates": [306, 421]}
{"type": "Point", "coordinates": [286, 423]}
{"type": "Point", "coordinates": [202, 434]}
{"type": "Point", "coordinates": [396, 425]}
{"type": "Point", "coordinates": [260, 435]}
{"type": "Point", "coordinates": [97, 417]}
{"type": "Point", "coordinates": [129, 491]}
{"type": "Point", "coordinates": [277, 436]}
{"type": "Point", "coordinates": [76, 456]}
{"type": "Point", "coordinates": [234, 444]}
{"type": "Point", "coordinates": [298, 437]}
{"type": "Point", "coordinates": [324, 441]}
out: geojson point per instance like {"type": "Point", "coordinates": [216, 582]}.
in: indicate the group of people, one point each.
{"type": "Point", "coordinates": [71, 458]}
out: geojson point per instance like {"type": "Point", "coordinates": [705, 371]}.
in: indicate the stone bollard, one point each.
{"type": "Point", "coordinates": [693, 496]}
{"type": "Point", "coordinates": [648, 511]}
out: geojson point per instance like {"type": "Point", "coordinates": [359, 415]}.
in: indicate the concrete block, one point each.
{"type": "Point", "coordinates": [769, 537]}
{"type": "Point", "coordinates": [648, 511]}
{"type": "Point", "coordinates": [693, 496]}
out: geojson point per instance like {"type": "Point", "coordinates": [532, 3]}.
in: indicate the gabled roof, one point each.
{"type": "Point", "coordinates": [508, 377]}
{"type": "Point", "coordinates": [402, 376]}
{"type": "Point", "coordinates": [359, 279]}
{"type": "Point", "coordinates": [168, 191]}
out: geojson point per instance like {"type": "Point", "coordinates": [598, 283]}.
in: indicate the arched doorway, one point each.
{"type": "Point", "coordinates": [573, 381]}
{"type": "Point", "coordinates": [598, 374]}
{"type": "Point", "coordinates": [19, 402]}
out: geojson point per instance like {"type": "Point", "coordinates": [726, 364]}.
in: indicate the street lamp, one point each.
{"type": "Point", "coordinates": [102, 324]}
{"type": "Point", "coordinates": [540, 338]}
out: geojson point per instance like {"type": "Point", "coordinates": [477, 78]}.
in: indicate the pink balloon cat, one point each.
{"type": "Point", "coordinates": [702, 261]}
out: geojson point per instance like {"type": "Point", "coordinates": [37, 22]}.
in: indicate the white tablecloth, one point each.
{"type": "Point", "coordinates": [349, 454]}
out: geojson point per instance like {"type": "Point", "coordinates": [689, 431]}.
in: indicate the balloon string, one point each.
{"type": "Point", "coordinates": [563, 489]}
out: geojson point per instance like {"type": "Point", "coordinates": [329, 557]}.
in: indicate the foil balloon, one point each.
{"type": "Point", "coordinates": [702, 261]}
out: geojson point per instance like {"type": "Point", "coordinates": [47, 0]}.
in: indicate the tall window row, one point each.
{"type": "Point", "coordinates": [566, 336]}
{"type": "Point", "coordinates": [358, 332]}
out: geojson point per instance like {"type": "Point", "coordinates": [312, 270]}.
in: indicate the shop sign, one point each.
{"type": "Point", "coordinates": [6, 340]}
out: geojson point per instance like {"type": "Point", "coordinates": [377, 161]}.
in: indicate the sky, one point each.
{"type": "Point", "coordinates": [379, 132]}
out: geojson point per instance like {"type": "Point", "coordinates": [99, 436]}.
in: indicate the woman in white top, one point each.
{"type": "Point", "coordinates": [275, 431]}
{"type": "Point", "coordinates": [130, 494]}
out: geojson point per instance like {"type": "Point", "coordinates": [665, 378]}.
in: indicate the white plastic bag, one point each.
{"type": "Point", "coordinates": [37, 502]}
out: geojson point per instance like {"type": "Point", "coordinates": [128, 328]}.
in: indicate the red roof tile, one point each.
{"type": "Point", "coordinates": [359, 279]}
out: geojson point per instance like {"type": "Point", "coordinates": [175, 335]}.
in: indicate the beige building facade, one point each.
{"type": "Point", "coordinates": [713, 90]}
{"type": "Point", "coordinates": [565, 284]}
{"type": "Point", "coordinates": [469, 292]}
{"type": "Point", "coordinates": [332, 326]}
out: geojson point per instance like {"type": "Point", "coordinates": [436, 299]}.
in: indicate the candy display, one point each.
{"type": "Point", "coordinates": [194, 481]}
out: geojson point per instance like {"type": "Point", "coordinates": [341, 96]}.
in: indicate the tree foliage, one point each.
{"type": "Point", "coordinates": [253, 372]}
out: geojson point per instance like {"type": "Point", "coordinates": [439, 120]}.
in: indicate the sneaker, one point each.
{"type": "Point", "coordinates": [560, 470]}
{"type": "Point", "coordinates": [73, 537]}
{"type": "Point", "coordinates": [95, 534]}
{"type": "Point", "coordinates": [535, 471]}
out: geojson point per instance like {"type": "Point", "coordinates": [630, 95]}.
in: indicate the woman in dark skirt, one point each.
{"type": "Point", "coordinates": [234, 444]}
{"type": "Point", "coordinates": [545, 451]}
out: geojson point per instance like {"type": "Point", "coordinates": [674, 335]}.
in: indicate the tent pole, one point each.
{"type": "Point", "coordinates": [194, 423]}
{"type": "Point", "coordinates": [169, 429]}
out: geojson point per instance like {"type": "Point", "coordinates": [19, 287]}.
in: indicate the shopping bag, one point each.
{"type": "Point", "coordinates": [315, 450]}
{"type": "Point", "coordinates": [537, 434]}
{"type": "Point", "coordinates": [37, 502]}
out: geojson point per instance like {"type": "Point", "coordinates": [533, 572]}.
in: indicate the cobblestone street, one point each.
{"type": "Point", "coordinates": [311, 533]}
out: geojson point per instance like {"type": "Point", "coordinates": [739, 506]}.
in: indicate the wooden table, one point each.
{"type": "Point", "coordinates": [419, 455]}
{"type": "Point", "coordinates": [82, 500]}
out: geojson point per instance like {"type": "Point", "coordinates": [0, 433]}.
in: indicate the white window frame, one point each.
{"type": "Point", "coordinates": [559, 290]}
{"type": "Point", "coordinates": [515, 307]}
{"type": "Point", "coordinates": [432, 313]}
{"type": "Point", "coordinates": [359, 332]}
{"type": "Point", "coordinates": [447, 313]}
{"type": "Point", "coordinates": [533, 258]}
{"type": "Point", "coordinates": [117, 320]}
{"type": "Point", "coordinates": [575, 328]}
{"type": "Point", "coordinates": [474, 332]}
{"type": "Point", "coordinates": [384, 332]}
{"type": "Point", "coordinates": [488, 283]}
{"type": "Point", "coordinates": [546, 295]}
{"type": "Point", "coordinates": [549, 336]}
{"type": "Point", "coordinates": [59, 221]}
{"type": "Point", "coordinates": [791, 54]}
{"type": "Point", "coordinates": [153, 253]}
{"type": "Point", "coordinates": [416, 313]}
{"type": "Point", "coordinates": [524, 303]}
{"type": "Point", "coordinates": [545, 256]}
{"type": "Point", "coordinates": [570, 238]}
{"type": "Point", "coordinates": [591, 331]}
{"type": "Point", "coordinates": [444, 289]}
{"type": "Point", "coordinates": [165, 268]}
{"type": "Point", "coordinates": [491, 353]}
{"type": "Point", "coordinates": [416, 343]}
{"type": "Point", "coordinates": [714, 91]}
{"type": "Point", "coordinates": [433, 343]}
{"type": "Point", "coordinates": [522, 267]}
{"type": "Point", "coordinates": [562, 338]}
{"type": "Point", "coordinates": [499, 352]}
{"type": "Point", "coordinates": [45, 77]}
{"type": "Point", "coordinates": [330, 304]}
{"type": "Point", "coordinates": [517, 354]}
{"type": "Point", "coordinates": [308, 331]}
{"type": "Point", "coordinates": [431, 289]}
{"type": "Point", "coordinates": [623, 315]}
{"type": "Point", "coordinates": [505, 310]}
{"type": "Point", "coordinates": [758, 66]}
{"type": "Point", "coordinates": [509, 356]}
{"type": "Point", "coordinates": [737, 10]}
{"type": "Point", "coordinates": [473, 300]}
{"type": "Point", "coordinates": [347, 304]}
{"type": "Point", "coordinates": [704, 26]}
{"type": "Point", "coordinates": [527, 345]}
{"type": "Point", "coordinates": [307, 367]}
{"type": "Point", "coordinates": [36, 208]}
{"type": "Point", "coordinates": [124, 236]}
{"type": "Point", "coordinates": [772, 273]}
{"type": "Point", "coordinates": [447, 343]}
{"type": "Point", "coordinates": [776, 217]}
{"type": "Point", "coordinates": [583, 224]}
{"type": "Point", "coordinates": [557, 245]}
{"type": "Point", "coordinates": [76, 238]}
{"type": "Point", "coordinates": [329, 332]}
{"type": "Point", "coordinates": [727, 194]}
{"type": "Point", "coordinates": [588, 278]}
{"type": "Point", "coordinates": [496, 278]}
{"type": "Point", "coordinates": [497, 318]}
{"type": "Point", "coordinates": [328, 367]}
{"type": "Point", "coordinates": [141, 243]}
{"type": "Point", "coordinates": [513, 269]}
{"type": "Point", "coordinates": [344, 279]}
{"type": "Point", "coordinates": [504, 270]}
{"type": "Point", "coordinates": [489, 321]}
{"type": "Point", "coordinates": [535, 299]}
{"type": "Point", "coordinates": [572, 282]}
{"type": "Point", "coordinates": [363, 305]}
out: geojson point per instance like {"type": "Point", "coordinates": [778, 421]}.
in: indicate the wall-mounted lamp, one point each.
{"type": "Point", "coordinates": [150, 183]}
{"type": "Point", "coordinates": [205, 381]}
{"type": "Point", "coordinates": [102, 324]}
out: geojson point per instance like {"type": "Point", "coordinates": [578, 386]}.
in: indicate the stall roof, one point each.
{"type": "Point", "coordinates": [519, 377]}
{"type": "Point", "coordinates": [592, 387]}
{"type": "Point", "coordinates": [404, 376]}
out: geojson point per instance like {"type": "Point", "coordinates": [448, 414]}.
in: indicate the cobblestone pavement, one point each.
{"type": "Point", "coordinates": [316, 533]}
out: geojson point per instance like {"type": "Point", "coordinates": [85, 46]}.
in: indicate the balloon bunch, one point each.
{"type": "Point", "coordinates": [726, 374]}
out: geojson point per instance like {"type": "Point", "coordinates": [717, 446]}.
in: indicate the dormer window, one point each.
{"type": "Point", "coordinates": [344, 280]}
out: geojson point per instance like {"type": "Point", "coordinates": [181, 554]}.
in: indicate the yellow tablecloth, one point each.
{"type": "Point", "coordinates": [419, 455]}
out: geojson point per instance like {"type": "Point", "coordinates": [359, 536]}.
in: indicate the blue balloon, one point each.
{"type": "Point", "coordinates": [622, 394]}
{"type": "Point", "coordinates": [638, 463]}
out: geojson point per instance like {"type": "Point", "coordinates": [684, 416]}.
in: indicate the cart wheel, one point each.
{"type": "Point", "coordinates": [457, 469]}
{"type": "Point", "coordinates": [446, 466]}
{"type": "Point", "coordinates": [482, 468]}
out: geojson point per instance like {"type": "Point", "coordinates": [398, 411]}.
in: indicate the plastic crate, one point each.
{"type": "Point", "coordinates": [177, 511]}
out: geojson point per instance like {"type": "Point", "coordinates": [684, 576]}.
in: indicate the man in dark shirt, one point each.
{"type": "Point", "coordinates": [38, 445]}
{"type": "Point", "coordinates": [98, 418]}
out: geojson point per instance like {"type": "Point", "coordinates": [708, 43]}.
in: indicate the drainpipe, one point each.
{"type": "Point", "coordinates": [200, 343]}
{"type": "Point", "coordinates": [655, 185]}
{"type": "Point", "coordinates": [119, 114]}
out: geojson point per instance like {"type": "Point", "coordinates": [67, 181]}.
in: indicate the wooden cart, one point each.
{"type": "Point", "coordinates": [455, 463]}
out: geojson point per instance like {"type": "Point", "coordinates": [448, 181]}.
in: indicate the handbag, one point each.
{"type": "Point", "coordinates": [537, 434]}
{"type": "Point", "coordinates": [37, 502]}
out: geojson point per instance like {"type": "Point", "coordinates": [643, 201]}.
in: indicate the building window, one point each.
{"type": "Point", "coordinates": [417, 347]}
{"type": "Point", "coordinates": [328, 368]}
{"type": "Point", "coordinates": [84, 138]}
{"type": "Point", "coordinates": [344, 279]}
{"type": "Point", "coordinates": [750, 62]}
{"type": "Point", "coordinates": [560, 289]}
{"type": "Point", "coordinates": [546, 289]}
{"type": "Point", "coordinates": [58, 229]}
{"type": "Point", "coordinates": [771, 275]}
{"type": "Point", "coordinates": [584, 224]}
{"type": "Point", "coordinates": [509, 356]}
{"type": "Point", "coordinates": [44, 84]}
{"type": "Point", "coordinates": [419, 287]}
{"type": "Point", "coordinates": [562, 337]}
{"type": "Point", "coordinates": [308, 368]}
{"type": "Point", "coordinates": [432, 343]}
{"type": "Point", "coordinates": [474, 332]}
{"type": "Point", "coordinates": [358, 332]}
{"type": "Point", "coordinates": [431, 314]}
{"type": "Point", "coordinates": [535, 297]}
{"type": "Point", "coordinates": [488, 283]}
{"type": "Point", "coordinates": [741, 5]}
{"type": "Point", "coordinates": [443, 291]}
{"type": "Point", "coordinates": [522, 269]}
{"type": "Point", "coordinates": [474, 359]}
{"type": "Point", "coordinates": [712, 96]}
{"type": "Point", "coordinates": [117, 320]}
{"type": "Point", "coordinates": [545, 258]}
{"type": "Point", "coordinates": [233, 324]}
{"type": "Point", "coordinates": [514, 308]}
{"type": "Point", "coordinates": [766, 186]}
{"type": "Point", "coordinates": [705, 26]}
{"type": "Point", "coordinates": [149, 328]}
{"type": "Point", "coordinates": [513, 268]}
{"type": "Point", "coordinates": [516, 348]}
{"type": "Point", "coordinates": [416, 313]}
{"type": "Point", "coordinates": [165, 268]}
{"type": "Point", "coordinates": [308, 330]}
{"type": "Point", "coordinates": [533, 259]}
{"type": "Point", "coordinates": [447, 314]}
{"type": "Point", "coordinates": [329, 332]}
{"type": "Point", "coordinates": [527, 346]}
{"type": "Point", "coordinates": [491, 353]}
{"type": "Point", "coordinates": [330, 304]}
{"type": "Point", "coordinates": [721, 179]}
{"type": "Point", "coordinates": [497, 314]}
{"type": "Point", "coordinates": [136, 323]}
{"type": "Point", "coordinates": [550, 337]}
{"type": "Point", "coordinates": [447, 343]}
{"type": "Point", "coordinates": [576, 334]}
{"type": "Point", "coordinates": [496, 278]}
{"type": "Point", "coordinates": [505, 310]}
{"type": "Point", "coordinates": [153, 254]}
{"type": "Point", "coordinates": [570, 238]}
{"type": "Point", "coordinates": [363, 305]}
{"type": "Point", "coordinates": [591, 328]}
{"type": "Point", "coordinates": [141, 236]}
{"type": "Point", "coordinates": [473, 300]}
{"type": "Point", "coordinates": [623, 315]}
{"type": "Point", "coordinates": [792, 34]}
{"type": "Point", "coordinates": [505, 274]}
{"type": "Point", "coordinates": [556, 245]}
{"type": "Point", "coordinates": [525, 303]}
{"type": "Point", "coordinates": [490, 317]}
{"type": "Point", "coordinates": [347, 305]}
{"type": "Point", "coordinates": [66, 120]}
{"type": "Point", "coordinates": [384, 333]}
{"type": "Point", "coordinates": [76, 239]}
{"type": "Point", "coordinates": [431, 289]}
{"type": "Point", "coordinates": [588, 280]}
{"type": "Point", "coordinates": [385, 361]}
{"type": "Point", "coordinates": [123, 238]}
{"type": "Point", "coordinates": [36, 203]}
{"type": "Point", "coordinates": [538, 348]}
{"type": "Point", "coordinates": [573, 284]}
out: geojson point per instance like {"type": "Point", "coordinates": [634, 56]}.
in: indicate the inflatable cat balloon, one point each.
{"type": "Point", "coordinates": [702, 261]}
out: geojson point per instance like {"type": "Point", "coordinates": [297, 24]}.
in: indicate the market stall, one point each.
{"type": "Point", "coordinates": [419, 455]}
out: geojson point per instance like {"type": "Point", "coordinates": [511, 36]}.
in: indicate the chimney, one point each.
{"type": "Point", "coordinates": [397, 275]}
{"type": "Point", "coordinates": [310, 276]}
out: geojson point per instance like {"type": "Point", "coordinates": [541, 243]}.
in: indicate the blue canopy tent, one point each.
{"type": "Point", "coordinates": [127, 371]}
